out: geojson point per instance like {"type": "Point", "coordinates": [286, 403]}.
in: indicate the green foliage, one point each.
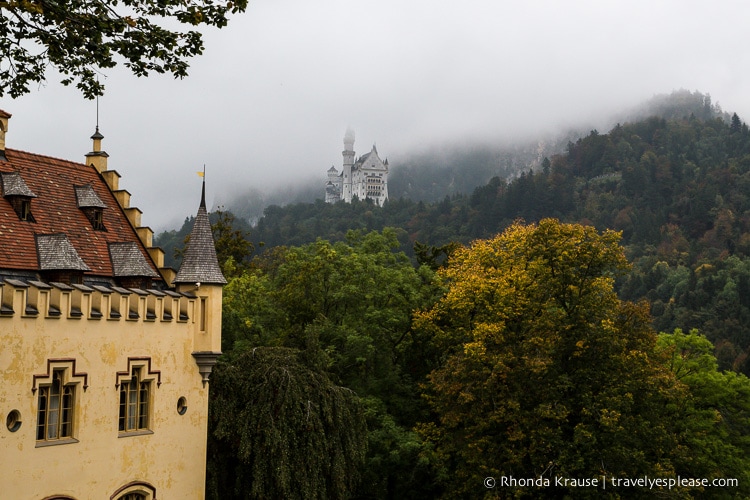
{"type": "Point", "coordinates": [233, 249]}
{"type": "Point", "coordinates": [81, 37]}
{"type": "Point", "coordinates": [546, 372]}
{"type": "Point", "coordinates": [530, 364]}
{"type": "Point", "coordinates": [434, 257]}
{"type": "Point", "coordinates": [173, 242]}
{"type": "Point", "coordinates": [711, 294]}
{"type": "Point", "coordinates": [715, 417]}
{"type": "Point", "coordinates": [281, 429]}
{"type": "Point", "coordinates": [347, 307]}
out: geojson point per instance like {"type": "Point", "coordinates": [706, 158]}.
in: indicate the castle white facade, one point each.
{"type": "Point", "coordinates": [367, 177]}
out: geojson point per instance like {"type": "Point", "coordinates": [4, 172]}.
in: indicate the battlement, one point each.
{"type": "Point", "coordinates": [59, 301]}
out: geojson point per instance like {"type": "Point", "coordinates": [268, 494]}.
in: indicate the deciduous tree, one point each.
{"type": "Point", "coordinates": [347, 307]}
{"type": "Point", "coordinates": [715, 415]}
{"type": "Point", "coordinates": [81, 37]}
{"type": "Point", "coordinates": [548, 373]}
{"type": "Point", "coordinates": [281, 429]}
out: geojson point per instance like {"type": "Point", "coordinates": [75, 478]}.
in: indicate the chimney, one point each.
{"type": "Point", "coordinates": [4, 117]}
{"type": "Point", "coordinates": [97, 158]}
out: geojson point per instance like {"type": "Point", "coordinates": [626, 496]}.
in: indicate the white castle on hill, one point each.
{"type": "Point", "coordinates": [365, 178]}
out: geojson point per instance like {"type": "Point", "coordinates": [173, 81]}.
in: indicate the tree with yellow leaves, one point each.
{"type": "Point", "coordinates": [547, 373]}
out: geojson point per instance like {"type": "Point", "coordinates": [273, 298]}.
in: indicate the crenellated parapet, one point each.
{"type": "Point", "coordinates": [36, 300]}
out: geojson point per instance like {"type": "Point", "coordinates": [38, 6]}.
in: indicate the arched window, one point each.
{"type": "Point", "coordinates": [133, 496]}
{"type": "Point", "coordinates": [56, 401]}
{"type": "Point", "coordinates": [134, 403]}
{"type": "Point", "coordinates": [137, 490]}
{"type": "Point", "coordinates": [135, 386]}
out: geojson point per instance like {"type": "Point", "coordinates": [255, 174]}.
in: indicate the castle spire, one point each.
{"type": "Point", "coordinates": [203, 189]}
{"type": "Point", "coordinates": [200, 264]}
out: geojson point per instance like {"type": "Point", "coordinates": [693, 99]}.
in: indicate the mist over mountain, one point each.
{"type": "Point", "coordinates": [675, 188]}
{"type": "Point", "coordinates": [430, 174]}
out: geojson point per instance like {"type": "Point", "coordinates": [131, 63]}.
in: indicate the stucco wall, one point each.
{"type": "Point", "coordinates": [172, 457]}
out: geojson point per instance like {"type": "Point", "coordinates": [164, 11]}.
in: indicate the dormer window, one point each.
{"type": "Point", "coordinates": [24, 209]}
{"type": "Point", "coordinates": [18, 194]}
{"type": "Point", "coordinates": [97, 219]}
{"type": "Point", "coordinates": [91, 205]}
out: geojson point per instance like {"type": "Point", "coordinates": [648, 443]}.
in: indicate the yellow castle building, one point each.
{"type": "Point", "coordinates": [105, 354]}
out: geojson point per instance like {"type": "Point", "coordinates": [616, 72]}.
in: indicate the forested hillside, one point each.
{"type": "Point", "coordinates": [679, 190]}
{"type": "Point", "coordinates": [390, 350]}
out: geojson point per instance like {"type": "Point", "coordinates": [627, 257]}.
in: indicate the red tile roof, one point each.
{"type": "Point", "coordinates": [55, 210]}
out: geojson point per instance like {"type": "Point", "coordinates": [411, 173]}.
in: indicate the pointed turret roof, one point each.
{"type": "Point", "coordinates": [199, 264]}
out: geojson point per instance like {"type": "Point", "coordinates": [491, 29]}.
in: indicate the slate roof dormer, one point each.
{"type": "Point", "coordinates": [200, 264]}
{"type": "Point", "coordinates": [91, 205]}
{"type": "Point", "coordinates": [13, 185]}
{"type": "Point", "coordinates": [56, 210]}
{"type": "Point", "coordinates": [18, 194]}
{"type": "Point", "coordinates": [128, 261]}
{"type": "Point", "coordinates": [56, 253]}
{"type": "Point", "coordinates": [87, 197]}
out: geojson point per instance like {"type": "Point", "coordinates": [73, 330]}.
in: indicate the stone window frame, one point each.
{"type": "Point", "coordinates": [135, 387]}
{"type": "Point", "coordinates": [58, 401]}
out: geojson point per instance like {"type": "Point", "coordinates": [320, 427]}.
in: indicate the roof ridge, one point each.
{"type": "Point", "coordinates": [29, 153]}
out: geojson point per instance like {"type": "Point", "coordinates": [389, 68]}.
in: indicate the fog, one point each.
{"type": "Point", "coordinates": [267, 104]}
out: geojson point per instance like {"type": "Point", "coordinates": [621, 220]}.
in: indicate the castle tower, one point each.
{"type": "Point", "coordinates": [200, 275]}
{"type": "Point", "coordinates": [348, 154]}
{"type": "Point", "coordinates": [333, 186]}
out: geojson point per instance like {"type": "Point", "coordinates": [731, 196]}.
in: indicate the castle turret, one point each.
{"type": "Point", "coordinates": [200, 275]}
{"type": "Point", "coordinates": [348, 154]}
{"type": "Point", "coordinates": [333, 186]}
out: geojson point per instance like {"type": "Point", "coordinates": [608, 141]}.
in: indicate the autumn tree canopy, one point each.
{"type": "Point", "coordinates": [78, 38]}
{"type": "Point", "coordinates": [546, 371]}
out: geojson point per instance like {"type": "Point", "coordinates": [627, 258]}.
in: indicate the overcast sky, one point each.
{"type": "Point", "coordinates": [270, 99]}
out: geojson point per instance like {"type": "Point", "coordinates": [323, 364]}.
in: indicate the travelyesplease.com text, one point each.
{"type": "Point", "coordinates": [605, 482]}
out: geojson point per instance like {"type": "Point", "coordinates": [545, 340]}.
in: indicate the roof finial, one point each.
{"type": "Point", "coordinates": [203, 189]}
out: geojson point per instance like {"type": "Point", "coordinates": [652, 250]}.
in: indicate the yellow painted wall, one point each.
{"type": "Point", "coordinates": [172, 459]}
